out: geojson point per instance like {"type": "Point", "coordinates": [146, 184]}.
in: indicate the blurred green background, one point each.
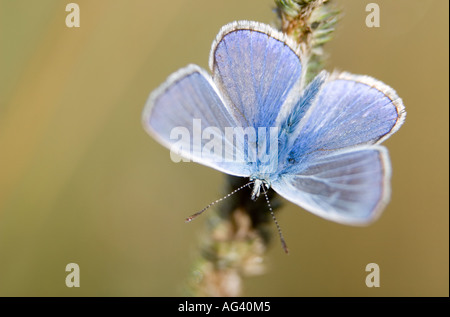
{"type": "Point", "coordinates": [80, 180]}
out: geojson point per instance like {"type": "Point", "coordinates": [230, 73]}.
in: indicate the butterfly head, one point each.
{"type": "Point", "coordinates": [257, 183]}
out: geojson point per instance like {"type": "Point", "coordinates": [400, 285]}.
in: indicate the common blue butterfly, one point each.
{"type": "Point", "coordinates": [316, 145]}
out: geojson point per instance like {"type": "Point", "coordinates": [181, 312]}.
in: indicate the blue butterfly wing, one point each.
{"type": "Point", "coordinates": [349, 110]}
{"type": "Point", "coordinates": [346, 186]}
{"type": "Point", "coordinates": [187, 95]}
{"type": "Point", "coordinates": [334, 169]}
{"type": "Point", "coordinates": [255, 68]}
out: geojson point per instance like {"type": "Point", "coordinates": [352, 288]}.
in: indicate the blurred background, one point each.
{"type": "Point", "coordinates": [80, 180]}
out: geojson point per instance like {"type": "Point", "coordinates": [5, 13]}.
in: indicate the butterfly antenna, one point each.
{"type": "Point", "coordinates": [283, 243]}
{"type": "Point", "coordinates": [189, 219]}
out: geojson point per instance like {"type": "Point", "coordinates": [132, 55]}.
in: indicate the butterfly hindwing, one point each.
{"type": "Point", "coordinates": [346, 186]}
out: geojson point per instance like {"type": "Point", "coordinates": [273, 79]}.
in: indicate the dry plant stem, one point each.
{"type": "Point", "coordinates": [234, 244]}
{"type": "Point", "coordinates": [239, 229]}
{"type": "Point", "coordinates": [311, 24]}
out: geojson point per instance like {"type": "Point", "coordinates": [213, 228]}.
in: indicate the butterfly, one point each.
{"type": "Point", "coordinates": [316, 144]}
